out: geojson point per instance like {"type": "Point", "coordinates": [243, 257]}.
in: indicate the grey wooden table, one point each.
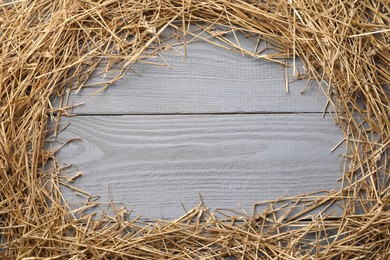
{"type": "Point", "coordinates": [216, 123]}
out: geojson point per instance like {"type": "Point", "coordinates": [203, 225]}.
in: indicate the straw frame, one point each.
{"type": "Point", "coordinates": [49, 46]}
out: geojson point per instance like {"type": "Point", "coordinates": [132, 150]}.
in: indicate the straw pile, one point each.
{"type": "Point", "coordinates": [49, 46]}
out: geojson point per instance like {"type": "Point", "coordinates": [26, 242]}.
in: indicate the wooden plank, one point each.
{"type": "Point", "coordinates": [154, 163]}
{"type": "Point", "coordinates": [209, 80]}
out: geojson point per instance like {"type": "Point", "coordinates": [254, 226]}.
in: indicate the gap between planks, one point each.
{"type": "Point", "coordinates": [197, 114]}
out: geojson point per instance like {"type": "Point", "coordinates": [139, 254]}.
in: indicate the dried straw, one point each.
{"type": "Point", "coordinates": [48, 47]}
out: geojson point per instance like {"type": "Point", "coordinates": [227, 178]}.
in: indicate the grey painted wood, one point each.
{"type": "Point", "coordinates": [154, 163]}
{"type": "Point", "coordinates": [209, 80]}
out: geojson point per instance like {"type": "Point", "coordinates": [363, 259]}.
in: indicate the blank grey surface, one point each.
{"type": "Point", "coordinates": [209, 80]}
{"type": "Point", "coordinates": [217, 123]}
{"type": "Point", "coordinates": [154, 163]}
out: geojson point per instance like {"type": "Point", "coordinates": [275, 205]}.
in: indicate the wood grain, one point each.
{"type": "Point", "coordinates": [209, 80]}
{"type": "Point", "coordinates": [154, 163]}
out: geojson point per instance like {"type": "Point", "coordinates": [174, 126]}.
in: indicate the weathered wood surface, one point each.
{"type": "Point", "coordinates": [265, 143]}
{"type": "Point", "coordinates": [154, 163]}
{"type": "Point", "coordinates": [209, 80]}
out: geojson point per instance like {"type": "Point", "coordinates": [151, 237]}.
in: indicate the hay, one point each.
{"type": "Point", "coordinates": [49, 46]}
